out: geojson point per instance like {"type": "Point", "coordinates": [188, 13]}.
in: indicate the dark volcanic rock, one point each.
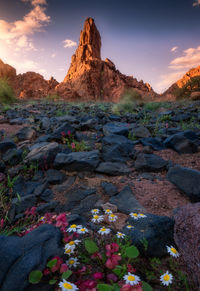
{"type": "Point", "coordinates": [6, 145]}
{"type": "Point", "coordinates": [77, 161]}
{"type": "Point", "coordinates": [157, 230]}
{"type": "Point", "coordinates": [149, 162]}
{"type": "Point", "coordinates": [153, 142]}
{"type": "Point", "coordinates": [187, 238]}
{"type": "Point", "coordinates": [181, 143]}
{"type": "Point", "coordinates": [26, 133]}
{"type": "Point", "coordinates": [109, 188]}
{"type": "Point", "coordinates": [113, 169]}
{"type": "Point", "coordinates": [187, 180]}
{"type": "Point", "coordinates": [20, 256]}
{"type": "Point", "coordinates": [13, 156]}
{"type": "Point", "coordinates": [126, 202]}
{"type": "Point", "coordinates": [55, 176]}
{"type": "Point", "coordinates": [116, 128]}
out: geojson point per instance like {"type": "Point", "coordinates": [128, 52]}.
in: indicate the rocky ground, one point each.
{"type": "Point", "coordinates": [62, 157]}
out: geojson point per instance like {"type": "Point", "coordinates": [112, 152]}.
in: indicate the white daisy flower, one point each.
{"type": "Point", "coordinates": [72, 244]}
{"type": "Point", "coordinates": [131, 279]}
{"type": "Point", "coordinates": [129, 226]}
{"type": "Point", "coordinates": [134, 215]}
{"type": "Point", "coordinates": [72, 262]}
{"type": "Point", "coordinates": [65, 285]}
{"type": "Point", "coordinates": [141, 215]}
{"type": "Point", "coordinates": [104, 230]}
{"type": "Point", "coordinates": [108, 211]}
{"type": "Point", "coordinates": [97, 218]}
{"type": "Point", "coordinates": [120, 235]}
{"type": "Point", "coordinates": [69, 251]}
{"type": "Point", "coordinates": [72, 228]}
{"type": "Point", "coordinates": [173, 252]}
{"type": "Point", "coordinates": [95, 211]}
{"type": "Point", "coordinates": [166, 278]}
{"type": "Point", "coordinates": [112, 217]}
{"type": "Point", "coordinates": [42, 218]}
{"type": "Point", "coordinates": [82, 230]}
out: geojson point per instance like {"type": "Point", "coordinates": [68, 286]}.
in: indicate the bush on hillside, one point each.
{"type": "Point", "coordinates": [192, 85]}
{"type": "Point", "coordinates": [128, 101]}
{"type": "Point", "coordinates": [7, 95]}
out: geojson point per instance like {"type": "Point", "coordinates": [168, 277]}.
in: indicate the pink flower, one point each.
{"type": "Point", "coordinates": [61, 220]}
{"type": "Point", "coordinates": [98, 276]}
{"type": "Point", "coordinates": [2, 223]}
{"type": "Point", "coordinates": [73, 145]}
{"type": "Point", "coordinates": [112, 262]}
{"type": "Point", "coordinates": [112, 277]}
{"type": "Point", "coordinates": [46, 272]}
{"type": "Point", "coordinates": [63, 268]}
{"type": "Point", "coordinates": [166, 125]}
{"type": "Point", "coordinates": [69, 132]}
{"type": "Point", "coordinates": [128, 287]}
{"type": "Point", "coordinates": [63, 134]}
{"type": "Point", "coordinates": [130, 268]}
{"type": "Point", "coordinates": [112, 248]}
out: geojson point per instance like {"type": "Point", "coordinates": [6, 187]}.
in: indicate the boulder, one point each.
{"type": "Point", "coordinates": [126, 201]}
{"type": "Point", "coordinates": [113, 169]}
{"type": "Point", "coordinates": [78, 161]}
{"type": "Point", "coordinates": [118, 128]}
{"type": "Point", "coordinates": [20, 256]}
{"type": "Point", "coordinates": [181, 143]}
{"type": "Point", "coordinates": [187, 238]}
{"type": "Point", "coordinates": [149, 162]}
{"type": "Point", "coordinates": [187, 180]}
{"type": "Point", "coordinates": [156, 230]}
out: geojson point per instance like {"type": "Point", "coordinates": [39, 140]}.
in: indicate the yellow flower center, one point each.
{"type": "Point", "coordinates": [73, 226]}
{"type": "Point", "coordinates": [95, 210]}
{"type": "Point", "coordinates": [71, 243]}
{"type": "Point", "coordinates": [103, 229]}
{"type": "Point", "coordinates": [71, 262]}
{"type": "Point", "coordinates": [166, 277]}
{"type": "Point", "coordinates": [67, 286]}
{"type": "Point", "coordinates": [131, 278]}
{"type": "Point", "coordinates": [112, 215]}
{"type": "Point", "coordinates": [135, 214]}
{"type": "Point", "coordinates": [174, 250]}
{"type": "Point", "coordinates": [96, 216]}
{"type": "Point", "coordinates": [119, 233]}
{"type": "Point", "coordinates": [67, 251]}
{"type": "Point", "coordinates": [83, 229]}
{"type": "Point", "coordinates": [107, 210]}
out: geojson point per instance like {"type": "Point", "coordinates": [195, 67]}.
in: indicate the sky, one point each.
{"type": "Point", "coordinates": [156, 41]}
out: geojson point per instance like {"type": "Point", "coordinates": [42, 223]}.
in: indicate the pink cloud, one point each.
{"type": "Point", "coordinates": [189, 59]}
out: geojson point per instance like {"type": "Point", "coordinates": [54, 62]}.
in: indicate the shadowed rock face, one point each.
{"type": "Point", "coordinates": [90, 78]}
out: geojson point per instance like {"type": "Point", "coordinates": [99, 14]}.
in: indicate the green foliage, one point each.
{"type": "Point", "coordinates": [7, 95]}
{"type": "Point", "coordinates": [90, 246]}
{"type": "Point", "coordinates": [52, 263]}
{"type": "Point", "coordinates": [66, 274]}
{"type": "Point", "coordinates": [52, 97]}
{"type": "Point", "coordinates": [191, 86]}
{"type": "Point", "coordinates": [128, 102]}
{"type": "Point", "coordinates": [104, 287]}
{"type": "Point", "coordinates": [153, 106]}
{"type": "Point", "coordinates": [35, 277]}
{"type": "Point", "coordinates": [132, 252]}
{"type": "Point", "coordinates": [146, 286]}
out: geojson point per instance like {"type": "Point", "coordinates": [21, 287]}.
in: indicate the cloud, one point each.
{"type": "Point", "coordinates": [69, 43]}
{"type": "Point", "coordinates": [174, 49]}
{"type": "Point", "coordinates": [196, 3]}
{"type": "Point", "coordinates": [16, 34]}
{"type": "Point", "coordinates": [167, 80]}
{"type": "Point", "coordinates": [189, 59]}
{"type": "Point", "coordinates": [53, 55]}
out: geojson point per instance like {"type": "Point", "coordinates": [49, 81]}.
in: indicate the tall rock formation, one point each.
{"type": "Point", "coordinates": [90, 78]}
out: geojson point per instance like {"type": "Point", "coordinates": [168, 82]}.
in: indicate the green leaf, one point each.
{"type": "Point", "coordinates": [35, 277]}
{"type": "Point", "coordinates": [132, 252]}
{"type": "Point", "coordinates": [104, 287]}
{"type": "Point", "coordinates": [66, 274]}
{"type": "Point", "coordinates": [91, 246]}
{"type": "Point", "coordinates": [146, 286]}
{"type": "Point", "coordinates": [52, 263]}
{"type": "Point", "coordinates": [116, 287]}
{"type": "Point", "coordinates": [52, 282]}
{"type": "Point", "coordinates": [117, 270]}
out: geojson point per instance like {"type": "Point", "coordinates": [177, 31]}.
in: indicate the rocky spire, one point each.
{"type": "Point", "coordinates": [89, 48]}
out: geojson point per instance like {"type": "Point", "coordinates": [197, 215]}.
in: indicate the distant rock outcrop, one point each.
{"type": "Point", "coordinates": [90, 78]}
{"type": "Point", "coordinates": [169, 93]}
{"type": "Point", "coordinates": [6, 71]}
{"type": "Point", "coordinates": [32, 85]}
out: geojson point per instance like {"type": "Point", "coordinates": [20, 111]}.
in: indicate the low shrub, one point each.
{"type": "Point", "coordinates": [128, 101]}
{"type": "Point", "coordinates": [7, 95]}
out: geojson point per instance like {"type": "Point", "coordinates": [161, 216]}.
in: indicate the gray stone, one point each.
{"type": "Point", "coordinates": [109, 188]}
{"type": "Point", "coordinates": [187, 180]}
{"type": "Point", "coordinates": [149, 162]}
{"type": "Point", "coordinates": [116, 128]}
{"type": "Point", "coordinates": [77, 161]}
{"type": "Point", "coordinates": [113, 169]}
{"type": "Point", "coordinates": [26, 133]}
{"type": "Point", "coordinates": [126, 201]}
